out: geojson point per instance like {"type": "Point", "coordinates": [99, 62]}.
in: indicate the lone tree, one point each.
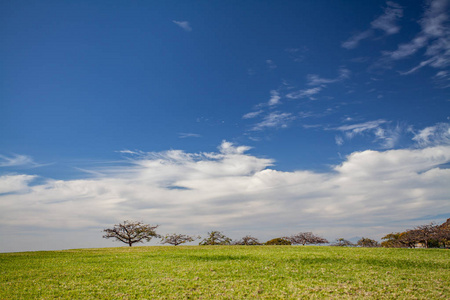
{"type": "Point", "coordinates": [248, 241]}
{"type": "Point", "coordinates": [131, 232]}
{"type": "Point", "coordinates": [215, 238]}
{"type": "Point", "coordinates": [306, 238]}
{"type": "Point", "coordinates": [177, 239]}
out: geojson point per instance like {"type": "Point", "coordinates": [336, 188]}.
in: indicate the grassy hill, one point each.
{"type": "Point", "coordinates": [226, 272]}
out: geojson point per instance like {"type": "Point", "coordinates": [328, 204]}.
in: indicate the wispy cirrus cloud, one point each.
{"type": "Point", "coordinates": [389, 135]}
{"type": "Point", "coordinates": [183, 135]}
{"type": "Point", "coordinates": [304, 93]}
{"type": "Point", "coordinates": [386, 22]}
{"type": "Point", "coordinates": [434, 37]}
{"type": "Point", "coordinates": [318, 83]}
{"type": "Point", "coordinates": [359, 128]}
{"type": "Point", "coordinates": [232, 191]}
{"type": "Point", "coordinates": [274, 120]}
{"type": "Point", "coordinates": [381, 131]}
{"type": "Point", "coordinates": [273, 101]}
{"type": "Point", "coordinates": [252, 114]}
{"type": "Point", "coordinates": [17, 160]}
{"type": "Point", "coordinates": [184, 25]}
{"type": "Point", "coordinates": [314, 79]}
{"type": "Point", "coordinates": [271, 64]}
{"type": "Point", "coordinates": [442, 79]}
{"type": "Point", "coordinates": [353, 41]}
{"type": "Point", "coordinates": [274, 98]}
{"type": "Point", "coordinates": [438, 134]}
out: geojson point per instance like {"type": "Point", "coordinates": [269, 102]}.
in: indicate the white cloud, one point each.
{"type": "Point", "coordinates": [16, 160]}
{"type": "Point", "coordinates": [274, 98]}
{"type": "Point", "coordinates": [318, 84]}
{"type": "Point", "coordinates": [274, 120]}
{"type": "Point", "coordinates": [370, 193]}
{"type": "Point", "coordinates": [380, 130]}
{"type": "Point", "coordinates": [353, 41]}
{"type": "Point", "coordinates": [354, 129]}
{"type": "Point", "coordinates": [442, 79]}
{"type": "Point", "coordinates": [15, 183]}
{"type": "Point", "coordinates": [271, 64]}
{"type": "Point", "coordinates": [183, 135]}
{"type": "Point", "coordinates": [385, 22]}
{"type": "Point", "coordinates": [339, 140]}
{"type": "Point", "coordinates": [304, 93]}
{"type": "Point", "coordinates": [433, 135]}
{"type": "Point", "coordinates": [314, 79]}
{"type": "Point", "coordinates": [184, 24]}
{"type": "Point", "coordinates": [252, 114]}
{"type": "Point", "coordinates": [434, 36]}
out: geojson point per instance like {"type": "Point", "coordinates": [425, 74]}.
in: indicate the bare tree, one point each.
{"type": "Point", "coordinates": [443, 233]}
{"type": "Point", "coordinates": [215, 238]}
{"type": "Point", "coordinates": [130, 232]}
{"type": "Point", "coordinates": [366, 242]}
{"type": "Point", "coordinates": [248, 241]}
{"type": "Point", "coordinates": [177, 239]}
{"type": "Point", "coordinates": [341, 242]}
{"type": "Point", "coordinates": [425, 233]}
{"type": "Point", "coordinates": [306, 238]}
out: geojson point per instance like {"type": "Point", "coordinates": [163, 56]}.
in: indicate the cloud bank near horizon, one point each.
{"type": "Point", "coordinates": [369, 193]}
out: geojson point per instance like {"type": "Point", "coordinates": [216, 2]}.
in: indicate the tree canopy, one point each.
{"type": "Point", "coordinates": [215, 238]}
{"type": "Point", "coordinates": [131, 232]}
{"type": "Point", "coordinates": [248, 241]}
{"type": "Point", "coordinates": [306, 238]}
{"type": "Point", "coordinates": [177, 239]}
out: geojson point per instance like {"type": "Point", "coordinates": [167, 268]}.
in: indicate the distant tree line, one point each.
{"type": "Point", "coordinates": [431, 235]}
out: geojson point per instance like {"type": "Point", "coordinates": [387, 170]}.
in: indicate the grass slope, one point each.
{"type": "Point", "coordinates": [226, 272]}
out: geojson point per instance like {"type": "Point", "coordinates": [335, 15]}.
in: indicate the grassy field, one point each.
{"type": "Point", "coordinates": [226, 272]}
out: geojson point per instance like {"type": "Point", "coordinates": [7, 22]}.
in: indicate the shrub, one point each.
{"type": "Point", "coordinates": [278, 241]}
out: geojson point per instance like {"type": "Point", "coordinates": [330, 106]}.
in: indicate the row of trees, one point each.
{"type": "Point", "coordinates": [431, 235]}
{"type": "Point", "coordinates": [427, 236]}
{"type": "Point", "coordinates": [130, 233]}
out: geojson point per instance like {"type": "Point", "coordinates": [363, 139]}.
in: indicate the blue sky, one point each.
{"type": "Point", "coordinates": [324, 116]}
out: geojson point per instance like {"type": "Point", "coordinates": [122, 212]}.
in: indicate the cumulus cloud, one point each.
{"type": "Point", "coordinates": [238, 193]}
{"type": "Point", "coordinates": [15, 183]}
{"type": "Point", "coordinates": [183, 24]}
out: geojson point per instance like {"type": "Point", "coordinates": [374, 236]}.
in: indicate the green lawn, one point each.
{"type": "Point", "coordinates": [226, 272]}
